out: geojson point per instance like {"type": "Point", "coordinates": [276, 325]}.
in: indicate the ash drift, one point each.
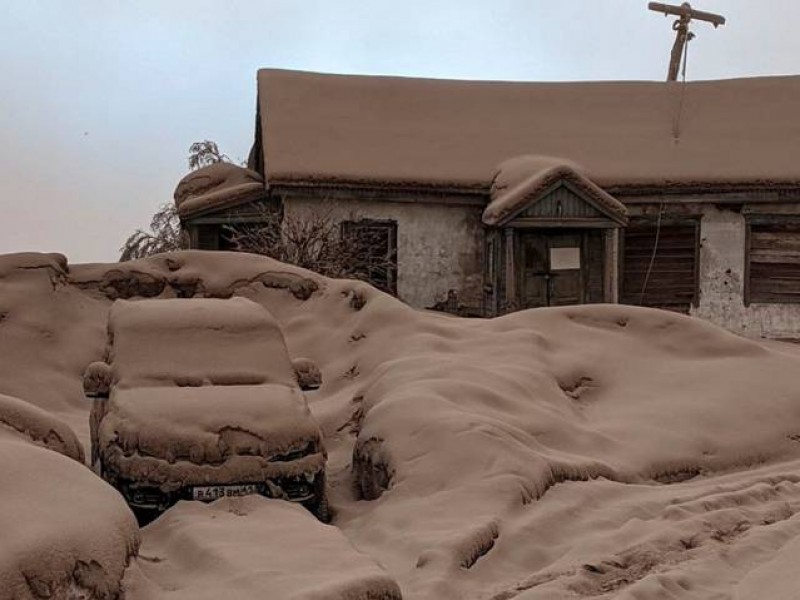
{"type": "Point", "coordinates": [593, 451]}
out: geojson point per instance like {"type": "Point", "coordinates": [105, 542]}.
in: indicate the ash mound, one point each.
{"type": "Point", "coordinates": [65, 533]}
{"type": "Point", "coordinates": [603, 451]}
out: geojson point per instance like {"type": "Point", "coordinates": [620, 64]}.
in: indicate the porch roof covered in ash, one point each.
{"type": "Point", "coordinates": [215, 187]}
{"type": "Point", "coordinates": [524, 180]}
{"type": "Point", "coordinates": [317, 129]}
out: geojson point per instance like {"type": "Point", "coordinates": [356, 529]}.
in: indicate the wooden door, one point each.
{"type": "Point", "coordinates": [535, 274]}
{"type": "Point", "coordinates": [552, 270]}
{"type": "Point", "coordinates": [565, 267]}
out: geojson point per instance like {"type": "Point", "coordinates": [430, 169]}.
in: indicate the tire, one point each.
{"type": "Point", "coordinates": [322, 509]}
{"type": "Point", "coordinates": [319, 506]}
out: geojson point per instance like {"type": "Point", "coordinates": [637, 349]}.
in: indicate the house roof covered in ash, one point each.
{"type": "Point", "coordinates": [346, 129]}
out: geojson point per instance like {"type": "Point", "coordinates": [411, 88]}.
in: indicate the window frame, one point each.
{"type": "Point", "coordinates": [349, 227]}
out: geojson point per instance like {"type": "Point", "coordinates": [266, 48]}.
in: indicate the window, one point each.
{"type": "Point", "coordinates": [659, 264]}
{"type": "Point", "coordinates": [372, 250]}
{"type": "Point", "coordinates": [773, 262]}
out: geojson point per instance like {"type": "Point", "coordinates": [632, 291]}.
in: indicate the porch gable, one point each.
{"type": "Point", "coordinates": [562, 205]}
{"type": "Point", "coordinates": [538, 192]}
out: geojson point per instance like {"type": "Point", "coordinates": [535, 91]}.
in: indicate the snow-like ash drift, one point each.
{"type": "Point", "coordinates": [460, 435]}
{"type": "Point", "coordinates": [260, 548]}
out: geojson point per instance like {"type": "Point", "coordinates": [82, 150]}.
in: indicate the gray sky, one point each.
{"type": "Point", "coordinates": [100, 99]}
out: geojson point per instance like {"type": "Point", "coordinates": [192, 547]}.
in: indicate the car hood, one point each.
{"type": "Point", "coordinates": [207, 425]}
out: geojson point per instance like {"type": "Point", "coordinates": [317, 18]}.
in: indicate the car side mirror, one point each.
{"type": "Point", "coordinates": [97, 380]}
{"type": "Point", "coordinates": [307, 374]}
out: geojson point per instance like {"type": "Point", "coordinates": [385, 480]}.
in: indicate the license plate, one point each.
{"type": "Point", "coordinates": [213, 492]}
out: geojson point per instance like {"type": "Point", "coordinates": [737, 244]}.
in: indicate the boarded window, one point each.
{"type": "Point", "coordinates": [774, 262]}
{"type": "Point", "coordinates": [372, 248]}
{"type": "Point", "coordinates": [659, 265]}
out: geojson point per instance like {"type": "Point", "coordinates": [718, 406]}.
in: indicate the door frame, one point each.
{"type": "Point", "coordinates": [504, 279]}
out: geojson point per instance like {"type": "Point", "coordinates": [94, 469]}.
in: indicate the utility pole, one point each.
{"type": "Point", "coordinates": [685, 14]}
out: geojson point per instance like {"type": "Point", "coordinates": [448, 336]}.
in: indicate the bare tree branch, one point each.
{"type": "Point", "coordinates": [202, 154]}
{"type": "Point", "coordinates": [165, 235]}
{"type": "Point", "coordinates": [318, 242]}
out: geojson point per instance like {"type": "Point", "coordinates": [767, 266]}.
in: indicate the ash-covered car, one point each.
{"type": "Point", "coordinates": [197, 400]}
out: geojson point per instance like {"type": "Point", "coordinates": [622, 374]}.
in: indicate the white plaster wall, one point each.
{"type": "Point", "coordinates": [439, 247]}
{"type": "Point", "coordinates": [722, 270]}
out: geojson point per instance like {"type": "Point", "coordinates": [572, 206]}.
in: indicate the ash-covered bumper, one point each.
{"type": "Point", "coordinates": [307, 489]}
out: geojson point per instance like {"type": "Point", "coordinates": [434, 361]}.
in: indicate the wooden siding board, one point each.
{"type": "Point", "coordinates": [778, 239]}
{"type": "Point", "coordinates": [562, 203]}
{"type": "Point", "coordinates": [492, 278]}
{"type": "Point", "coordinates": [777, 257]}
{"type": "Point", "coordinates": [747, 240]}
{"type": "Point", "coordinates": [564, 223]}
{"type": "Point", "coordinates": [510, 278]}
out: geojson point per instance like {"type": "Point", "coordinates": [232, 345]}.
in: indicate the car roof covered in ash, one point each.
{"type": "Point", "coordinates": [192, 342]}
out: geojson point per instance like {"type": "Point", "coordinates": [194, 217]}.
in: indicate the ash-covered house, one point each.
{"type": "Point", "coordinates": [491, 197]}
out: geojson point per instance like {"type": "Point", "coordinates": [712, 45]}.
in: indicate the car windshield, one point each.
{"type": "Point", "coordinates": [197, 342]}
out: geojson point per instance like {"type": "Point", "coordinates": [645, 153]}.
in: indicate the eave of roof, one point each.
{"type": "Point", "coordinates": [622, 192]}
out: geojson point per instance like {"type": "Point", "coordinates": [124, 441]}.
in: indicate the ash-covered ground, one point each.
{"type": "Point", "coordinates": [594, 451]}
